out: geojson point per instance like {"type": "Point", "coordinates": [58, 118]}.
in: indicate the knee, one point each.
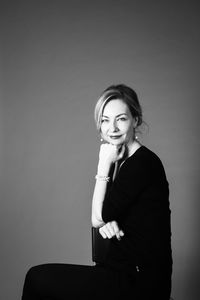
{"type": "Point", "coordinates": [32, 276]}
{"type": "Point", "coordinates": [28, 288]}
{"type": "Point", "coordinates": [29, 276]}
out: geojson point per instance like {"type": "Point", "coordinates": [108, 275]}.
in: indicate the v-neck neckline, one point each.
{"type": "Point", "coordinates": [132, 155]}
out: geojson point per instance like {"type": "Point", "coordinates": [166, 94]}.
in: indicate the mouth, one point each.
{"type": "Point", "coordinates": [115, 137]}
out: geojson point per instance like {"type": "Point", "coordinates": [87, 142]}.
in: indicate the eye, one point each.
{"type": "Point", "coordinates": [104, 120]}
{"type": "Point", "coordinates": [122, 119]}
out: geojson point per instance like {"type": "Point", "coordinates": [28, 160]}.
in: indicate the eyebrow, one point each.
{"type": "Point", "coordinates": [103, 116]}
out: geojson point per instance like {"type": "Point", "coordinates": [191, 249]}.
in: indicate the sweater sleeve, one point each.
{"type": "Point", "coordinates": [130, 182]}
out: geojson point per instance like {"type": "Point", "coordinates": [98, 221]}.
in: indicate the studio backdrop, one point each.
{"type": "Point", "coordinates": [57, 57]}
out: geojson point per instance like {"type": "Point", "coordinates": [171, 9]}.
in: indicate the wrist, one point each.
{"type": "Point", "coordinates": [103, 169]}
{"type": "Point", "coordinates": [102, 178]}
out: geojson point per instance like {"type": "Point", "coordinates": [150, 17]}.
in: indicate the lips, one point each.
{"type": "Point", "coordinates": [115, 137]}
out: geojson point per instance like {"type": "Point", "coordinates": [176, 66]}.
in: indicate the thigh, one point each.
{"type": "Point", "coordinates": [67, 281]}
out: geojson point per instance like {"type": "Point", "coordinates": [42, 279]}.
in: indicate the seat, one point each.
{"type": "Point", "coordinates": [99, 246]}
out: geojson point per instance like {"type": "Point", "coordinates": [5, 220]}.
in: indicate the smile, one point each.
{"type": "Point", "coordinates": [115, 137]}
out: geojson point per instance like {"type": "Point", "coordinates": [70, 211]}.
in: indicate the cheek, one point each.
{"type": "Point", "coordinates": [102, 132]}
{"type": "Point", "coordinates": [103, 129]}
{"type": "Point", "coordinates": [130, 131]}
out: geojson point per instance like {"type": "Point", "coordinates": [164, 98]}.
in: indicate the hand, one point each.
{"type": "Point", "coordinates": [109, 154]}
{"type": "Point", "coordinates": [110, 230]}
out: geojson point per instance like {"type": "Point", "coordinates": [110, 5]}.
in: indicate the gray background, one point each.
{"type": "Point", "coordinates": [57, 58]}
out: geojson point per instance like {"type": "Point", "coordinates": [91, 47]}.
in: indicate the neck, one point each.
{"type": "Point", "coordinates": [132, 146]}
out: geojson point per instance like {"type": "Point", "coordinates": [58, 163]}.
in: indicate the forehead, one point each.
{"type": "Point", "coordinates": [115, 107]}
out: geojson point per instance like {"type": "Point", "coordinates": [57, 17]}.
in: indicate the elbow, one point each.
{"type": "Point", "coordinates": [96, 223]}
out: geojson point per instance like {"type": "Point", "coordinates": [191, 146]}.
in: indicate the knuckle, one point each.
{"type": "Point", "coordinates": [108, 225]}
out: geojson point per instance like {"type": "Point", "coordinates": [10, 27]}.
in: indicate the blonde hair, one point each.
{"type": "Point", "coordinates": [121, 92]}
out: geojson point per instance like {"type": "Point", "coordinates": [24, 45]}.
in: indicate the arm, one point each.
{"type": "Point", "coordinates": [131, 181]}
{"type": "Point", "coordinates": [137, 175]}
{"type": "Point", "coordinates": [103, 169]}
{"type": "Point", "coordinates": [108, 154]}
{"type": "Point", "coordinates": [109, 229]}
{"type": "Point", "coordinates": [97, 202]}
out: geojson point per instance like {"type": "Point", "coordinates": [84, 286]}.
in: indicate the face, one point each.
{"type": "Point", "coordinates": [117, 125]}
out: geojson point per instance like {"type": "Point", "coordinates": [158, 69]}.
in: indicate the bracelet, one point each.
{"type": "Point", "coordinates": [102, 178]}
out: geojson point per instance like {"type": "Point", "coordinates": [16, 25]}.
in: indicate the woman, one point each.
{"type": "Point", "coordinates": [130, 207]}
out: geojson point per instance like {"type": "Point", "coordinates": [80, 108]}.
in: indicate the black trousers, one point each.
{"type": "Point", "coordinates": [74, 282]}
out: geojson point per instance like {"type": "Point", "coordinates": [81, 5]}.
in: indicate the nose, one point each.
{"type": "Point", "coordinates": [113, 126]}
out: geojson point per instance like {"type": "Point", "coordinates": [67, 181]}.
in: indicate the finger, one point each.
{"type": "Point", "coordinates": [102, 233]}
{"type": "Point", "coordinates": [116, 229]}
{"type": "Point", "coordinates": [121, 233]}
{"type": "Point", "coordinates": [110, 229]}
{"type": "Point", "coordinates": [105, 232]}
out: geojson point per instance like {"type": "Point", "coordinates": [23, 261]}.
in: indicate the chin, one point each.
{"type": "Point", "coordinates": [116, 142]}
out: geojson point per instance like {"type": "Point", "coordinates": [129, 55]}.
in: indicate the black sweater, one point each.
{"type": "Point", "coordinates": [138, 200]}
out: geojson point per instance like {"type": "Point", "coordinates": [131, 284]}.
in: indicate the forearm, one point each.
{"type": "Point", "coordinates": [99, 195]}
{"type": "Point", "coordinates": [108, 155]}
{"type": "Point", "coordinates": [97, 203]}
